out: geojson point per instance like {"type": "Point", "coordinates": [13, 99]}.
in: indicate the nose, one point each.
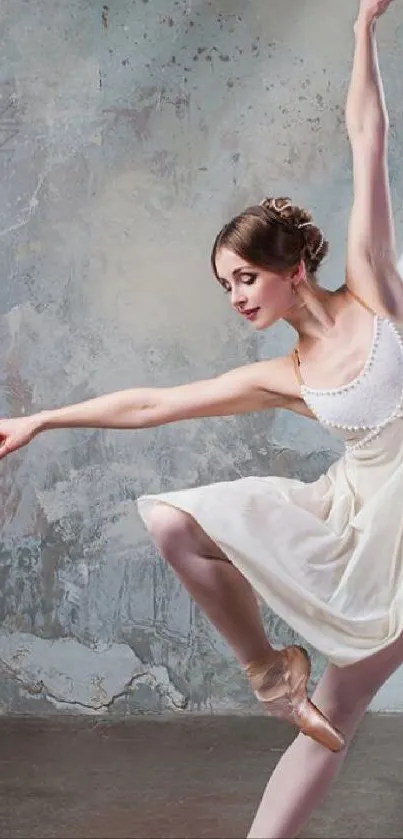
{"type": "Point", "coordinates": [238, 296]}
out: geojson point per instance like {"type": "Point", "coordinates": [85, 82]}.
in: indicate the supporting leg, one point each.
{"type": "Point", "coordinates": [304, 773]}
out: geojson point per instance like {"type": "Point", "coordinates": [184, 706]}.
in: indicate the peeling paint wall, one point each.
{"type": "Point", "coordinates": [129, 132]}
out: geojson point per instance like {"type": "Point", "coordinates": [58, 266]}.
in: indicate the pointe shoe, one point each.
{"type": "Point", "coordinates": [279, 682]}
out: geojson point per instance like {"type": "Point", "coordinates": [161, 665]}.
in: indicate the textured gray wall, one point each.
{"type": "Point", "coordinates": [128, 133]}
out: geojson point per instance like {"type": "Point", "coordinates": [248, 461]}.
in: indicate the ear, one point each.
{"type": "Point", "coordinates": [298, 274]}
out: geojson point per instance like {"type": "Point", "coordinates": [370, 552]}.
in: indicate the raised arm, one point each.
{"type": "Point", "coordinates": [253, 387]}
{"type": "Point", "coordinates": [371, 257]}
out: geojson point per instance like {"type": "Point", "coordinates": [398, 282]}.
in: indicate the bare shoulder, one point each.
{"type": "Point", "coordinates": [273, 381]}
{"type": "Point", "coordinates": [274, 375]}
{"type": "Point", "coordinates": [282, 374]}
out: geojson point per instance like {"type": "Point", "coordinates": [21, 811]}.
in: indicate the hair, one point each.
{"type": "Point", "coordinates": [274, 235]}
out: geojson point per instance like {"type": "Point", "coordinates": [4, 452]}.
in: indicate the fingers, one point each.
{"type": "Point", "coordinates": [4, 449]}
{"type": "Point", "coordinates": [384, 5]}
{"type": "Point", "coordinates": [376, 7]}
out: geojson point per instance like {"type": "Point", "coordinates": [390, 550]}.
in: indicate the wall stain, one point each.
{"type": "Point", "coordinates": [138, 119]}
{"type": "Point", "coordinates": [105, 13]}
{"type": "Point", "coordinates": [9, 124]}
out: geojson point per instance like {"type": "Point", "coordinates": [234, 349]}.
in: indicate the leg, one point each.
{"type": "Point", "coordinates": [278, 678]}
{"type": "Point", "coordinates": [304, 773]}
{"type": "Point", "coordinates": [212, 581]}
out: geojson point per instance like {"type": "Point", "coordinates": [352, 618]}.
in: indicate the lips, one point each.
{"type": "Point", "coordinates": [250, 313]}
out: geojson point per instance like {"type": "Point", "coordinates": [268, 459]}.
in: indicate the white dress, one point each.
{"type": "Point", "coordinates": [326, 556]}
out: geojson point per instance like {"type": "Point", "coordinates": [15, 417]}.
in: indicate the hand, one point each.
{"type": "Point", "coordinates": [370, 10]}
{"type": "Point", "coordinates": [16, 433]}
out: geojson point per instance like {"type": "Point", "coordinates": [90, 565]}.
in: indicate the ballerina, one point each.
{"type": "Point", "coordinates": [326, 556]}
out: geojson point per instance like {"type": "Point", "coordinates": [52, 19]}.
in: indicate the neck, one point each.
{"type": "Point", "coordinates": [313, 313]}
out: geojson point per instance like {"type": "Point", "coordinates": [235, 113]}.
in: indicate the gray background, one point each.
{"type": "Point", "coordinates": [128, 134]}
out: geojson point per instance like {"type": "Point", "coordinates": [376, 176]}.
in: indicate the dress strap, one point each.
{"type": "Point", "coordinates": [297, 365]}
{"type": "Point", "coordinates": [361, 301]}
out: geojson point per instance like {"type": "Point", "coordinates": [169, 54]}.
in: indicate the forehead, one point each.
{"type": "Point", "coordinates": [227, 262]}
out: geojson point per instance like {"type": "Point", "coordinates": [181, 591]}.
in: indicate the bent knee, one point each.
{"type": "Point", "coordinates": [166, 523]}
{"type": "Point", "coordinates": [172, 528]}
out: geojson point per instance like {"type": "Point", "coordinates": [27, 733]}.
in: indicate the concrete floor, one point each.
{"type": "Point", "coordinates": [182, 777]}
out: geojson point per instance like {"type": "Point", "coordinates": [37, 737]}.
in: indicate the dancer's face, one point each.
{"type": "Point", "coordinates": [262, 297]}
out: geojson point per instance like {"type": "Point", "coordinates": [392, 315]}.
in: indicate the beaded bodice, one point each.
{"type": "Point", "coordinates": [370, 401]}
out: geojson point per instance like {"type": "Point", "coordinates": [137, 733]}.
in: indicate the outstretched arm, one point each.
{"type": "Point", "coordinates": [371, 256]}
{"type": "Point", "coordinates": [253, 387]}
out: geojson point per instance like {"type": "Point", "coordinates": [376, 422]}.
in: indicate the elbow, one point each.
{"type": "Point", "coordinates": [370, 129]}
{"type": "Point", "coordinates": [155, 411]}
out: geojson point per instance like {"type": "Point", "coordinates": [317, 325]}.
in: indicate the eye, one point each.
{"type": "Point", "coordinates": [249, 279]}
